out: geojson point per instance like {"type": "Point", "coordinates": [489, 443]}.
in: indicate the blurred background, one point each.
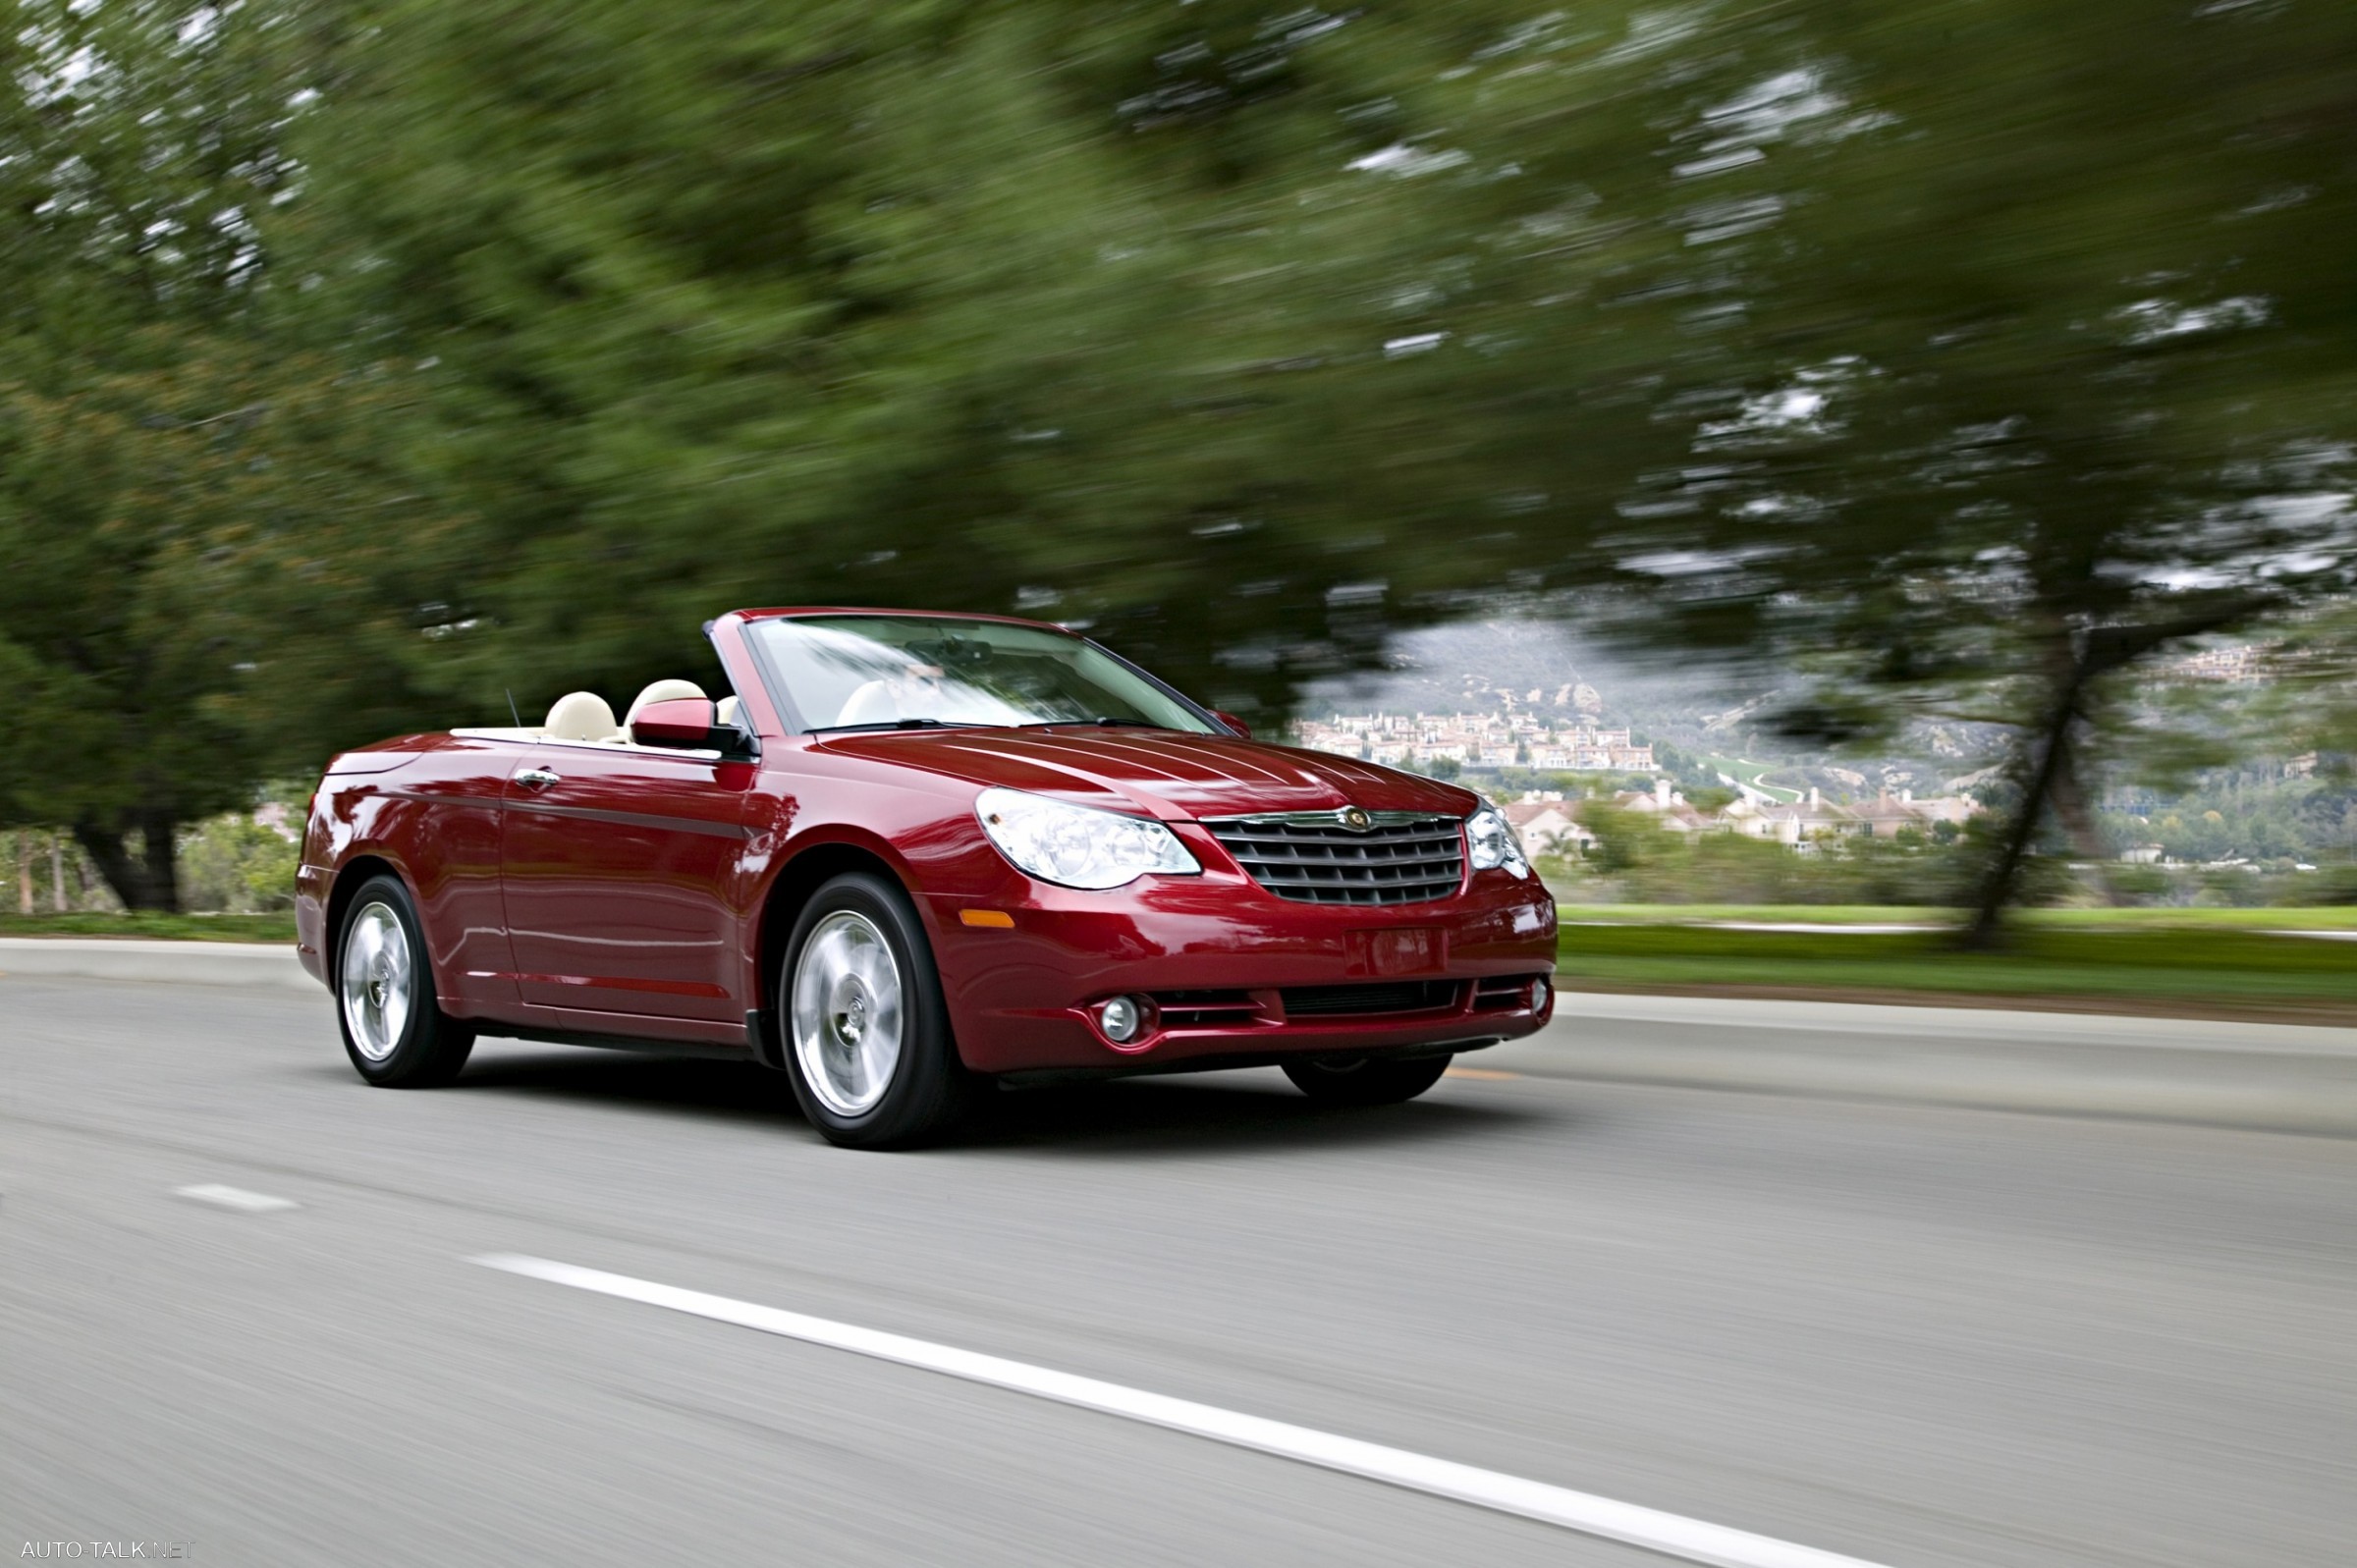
{"type": "Point", "coordinates": [1811, 454]}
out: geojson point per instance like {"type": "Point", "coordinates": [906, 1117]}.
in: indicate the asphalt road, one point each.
{"type": "Point", "coordinates": [1922, 1336]}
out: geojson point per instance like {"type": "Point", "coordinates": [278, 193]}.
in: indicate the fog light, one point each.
{"type": "Point", "coordinates": [1538, 995]}
{"type": "Point", "coordinates": [1122, 1019]}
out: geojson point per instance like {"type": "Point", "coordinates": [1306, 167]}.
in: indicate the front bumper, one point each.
{"type": "Point", "coordinates": [1230, 972]}
{"type": "Point", "coordinates": [312, 885]}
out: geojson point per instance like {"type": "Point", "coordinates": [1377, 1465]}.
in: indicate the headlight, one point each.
{"type": "Point", "coordinates": [1078, 847]}
{"type": "Point", "coordinates": [1491, 838]}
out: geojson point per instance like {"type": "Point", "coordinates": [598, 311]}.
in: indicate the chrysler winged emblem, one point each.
{"type": "Point", "coordinates": [1357, 819]}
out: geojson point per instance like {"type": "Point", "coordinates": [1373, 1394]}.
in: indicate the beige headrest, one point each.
{"type": "Point", "coordinates": [661, 691]}
{"type": "Point", "coordinates": [580, 716]}
{"type": "Point", "coordinates": [728, 712]}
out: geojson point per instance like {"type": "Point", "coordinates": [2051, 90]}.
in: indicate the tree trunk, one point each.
{"type": "Point", "coordinates": [57, 873]}
{"type": "Point", "coordinates": [24, 872]}
{"type": "Point", "coordinates": [2078, 661]}
{"type": "Point", "coordinates": [148, 880]}
{"type": "Point", "coordinates": [2050, 756]}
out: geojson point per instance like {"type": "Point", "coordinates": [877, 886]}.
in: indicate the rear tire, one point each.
{"type": "Point", "coordinates": [394, 1028]}
{"type": "Point", "coordinates": [860, 1015]}
{"type": "Point", "coordinates": [1365, 1080]}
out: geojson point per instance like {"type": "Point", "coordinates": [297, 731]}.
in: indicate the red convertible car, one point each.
{"type": "Point", "coordinates": [907, 855]}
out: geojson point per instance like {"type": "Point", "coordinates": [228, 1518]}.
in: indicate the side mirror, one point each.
{"type": "Point", "coordinates": [689, 722]}
{"type": "Point", "coordinates": [1233, 723]}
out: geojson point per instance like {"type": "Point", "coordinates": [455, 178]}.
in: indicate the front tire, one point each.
{"type": "Point", "coordinates": [394, 1028]}
{"type": "Point", "coordinates": [861, 1013]}
{"type": "Point", "coordinates": [1365, 1080]}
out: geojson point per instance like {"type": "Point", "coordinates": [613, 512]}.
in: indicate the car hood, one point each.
{"type": "Point", "coordinates": [1166, 773]}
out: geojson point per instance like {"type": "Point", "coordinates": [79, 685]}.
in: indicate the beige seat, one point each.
{"type": "Point", "coordinates": [581, 716]}
{"type": "Point", "coordinates": [728, 712]}
{"type": "Point", "coordinates": [878, 702]}
{"type": "Point", "coordinates": [660, 691]}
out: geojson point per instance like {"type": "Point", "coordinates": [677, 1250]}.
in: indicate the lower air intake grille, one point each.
{"type": "Point", "coordinates": [1389, 995]}
{"type": "Point", "coordinates": [1503, 993]}
{"type": "Point", "coordinates": [1205, 1009]}
{"type": "Point", "coordinates": [1313, 857]}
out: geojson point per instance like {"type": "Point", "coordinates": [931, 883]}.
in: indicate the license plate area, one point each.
{"type": "Point", "coordinates": [1398, 950]}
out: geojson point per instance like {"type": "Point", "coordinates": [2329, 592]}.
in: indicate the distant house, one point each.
{"type": "Point", "coordinates": [1799, 823]}
{"type": "Point", "coordinates": [2144, 855]}
{"type": "Point", "coordinates": [1887, 816]}
{"type": "Point", "coordinates": [1796, 824]}
{"type": "Point", "coordinates": [1742, 813]}
{"type": "Point", "coordinates": [1957, 809]}
{"type": "Point", "coordinates": [1545, 827]}
{"type": "Point", "coordinates": [1665, 805]}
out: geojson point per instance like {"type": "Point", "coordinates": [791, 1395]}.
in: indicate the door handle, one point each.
{"type": "Point", "coordinates": [536, 777]}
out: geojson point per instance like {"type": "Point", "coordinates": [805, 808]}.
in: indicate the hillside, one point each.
{"type": "Point", "coordinates": [1719, 716]}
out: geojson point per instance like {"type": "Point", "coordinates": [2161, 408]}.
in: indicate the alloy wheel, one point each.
{"type": "Point", "coordinates": [379, 981]}
{"type": "Point", "coordinates": [847, 1008]}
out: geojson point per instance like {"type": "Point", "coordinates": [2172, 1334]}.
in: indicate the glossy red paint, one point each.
{"type": "Point", "coordinates": [621, 881]}
{"type": "Point", "coordinates": [637, 892]}
{"type": "Point", "coordinates": [681, 722]}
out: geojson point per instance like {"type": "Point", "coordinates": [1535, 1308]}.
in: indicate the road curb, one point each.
{"type": "Point", "coordinates": [2264, 1076]}
{"type": "Point", "coordinates": [185, 963]}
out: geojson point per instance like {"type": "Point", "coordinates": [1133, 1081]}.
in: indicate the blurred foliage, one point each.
{"type": "Point", "coordinates": [1636, 860]}
{"type": "Point", "coordinates": [153, 926]}
{"type": "Point", "coordinates": [1075, 310]}
{"type": "Point", "coordinates": [2260, 821]}
{"type": "Point", "coordinates": [236, 866]}
{"type": "Point", "coordinates": [186, 502]}
{"type": "Point", "coordinates": [1984, 350]}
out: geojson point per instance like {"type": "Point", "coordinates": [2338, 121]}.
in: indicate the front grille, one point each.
{"type": "Point", "coordinates": [1388, 996]}
{"type": "Point", "coordinates": [1313, 858]}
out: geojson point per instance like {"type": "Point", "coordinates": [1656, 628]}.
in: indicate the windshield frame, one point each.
{"type": "Point", "coordinates": [796, 721]}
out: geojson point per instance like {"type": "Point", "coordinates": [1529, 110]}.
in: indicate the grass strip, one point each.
{"type": "Point", "coordinates": [2306, 917]}
{"type": "Point", "coordinates": [275, 928]}
{"type": "Point", "coordinates": [2217, 966]}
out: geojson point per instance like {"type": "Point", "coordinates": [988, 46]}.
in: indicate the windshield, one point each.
{"type": "Point", "coordinates": [881, 672]}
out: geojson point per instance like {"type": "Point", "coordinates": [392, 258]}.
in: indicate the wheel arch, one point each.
{"type": "Point", "coordinates": [350, 877]}
{"type": "Point", "coordinates": [790, 890]}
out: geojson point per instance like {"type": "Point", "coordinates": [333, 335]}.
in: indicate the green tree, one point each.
{"type": "Point", "coordinates": [138, 145]}
{"type": "Point", "coordinates": [201, 558]}
{"type": "Point", "coordinates": [235, 865]}
{"type": "Point", "coordinates": [1960, 356]}
{"type": "Point", "coordinates": [1068, 310]}
{"type": "Point", "coordinates": [1626, 840]}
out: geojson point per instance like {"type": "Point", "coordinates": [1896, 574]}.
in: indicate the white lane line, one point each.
{"type": "Point", "coordinates": [237, 1198]}
{"type": "Point", "coordinates": [1649, 1528]}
